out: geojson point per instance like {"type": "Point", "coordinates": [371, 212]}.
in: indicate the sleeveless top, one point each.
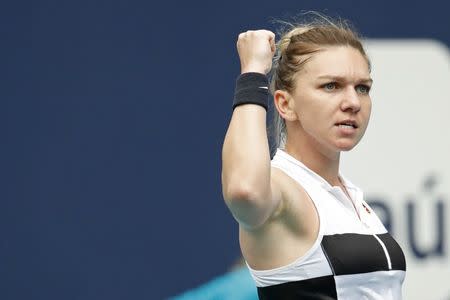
{"type": "Point", "coordinates": [351, 258]}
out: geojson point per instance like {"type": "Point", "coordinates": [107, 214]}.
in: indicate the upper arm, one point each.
{"type": "Point", "coordinates": [252, 209]}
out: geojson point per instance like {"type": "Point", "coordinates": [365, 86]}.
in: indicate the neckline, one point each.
{"type": "Point", "coordinates": [347, 184]}
{"type": "Point", "coordinates": [353, 200]}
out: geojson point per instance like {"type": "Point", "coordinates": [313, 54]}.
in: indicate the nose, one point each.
{"type": "Point", "coordinates": [351, 100]}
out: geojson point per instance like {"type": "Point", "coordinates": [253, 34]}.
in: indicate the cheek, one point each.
{"type": "Point", "coordinates": [316, 116]}
{"type": "Point", "coordinates": [368, 110]}
{"type": "Point", "coordinates": [315, 122]}
{"type": "Point", "coordinates": [314, 105]}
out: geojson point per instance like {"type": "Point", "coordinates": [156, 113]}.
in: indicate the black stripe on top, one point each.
{"type": "Point", "coordinates": [395, 252]}
{"type": "Point", "coordinates": [319, 288]}
{"type": "Point", "coordinates": [352, 253]}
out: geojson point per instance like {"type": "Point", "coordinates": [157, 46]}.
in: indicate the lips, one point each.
{"type": "Point", "coordinates": [347, 123]}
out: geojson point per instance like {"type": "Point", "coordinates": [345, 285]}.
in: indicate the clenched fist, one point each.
{"type": "Point", "coordinates": [256, 49]}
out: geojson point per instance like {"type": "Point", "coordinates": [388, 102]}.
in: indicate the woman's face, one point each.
{"type": "Point", "coordinates": [331, 97]}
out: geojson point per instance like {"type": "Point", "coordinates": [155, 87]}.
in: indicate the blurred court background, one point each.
{"type": "Point", "coordinates": [115, 113]}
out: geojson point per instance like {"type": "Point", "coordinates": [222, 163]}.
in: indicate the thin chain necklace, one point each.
{"type": "Point", "coordinates": [348, 196]}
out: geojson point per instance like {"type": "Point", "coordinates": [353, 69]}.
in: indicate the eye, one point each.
{"type": "Point", "coordinates": [362, 89]}
{"type": "Point", "coordinates": [330, 86]}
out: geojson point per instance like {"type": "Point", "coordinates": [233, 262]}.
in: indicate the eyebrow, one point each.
{"type": "Point", "coordinates": [340, 78]}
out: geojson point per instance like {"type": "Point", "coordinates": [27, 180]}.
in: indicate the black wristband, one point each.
{"type": "Point", "coordinates": [251, 88]}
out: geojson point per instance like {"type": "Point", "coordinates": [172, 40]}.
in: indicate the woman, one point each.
{"type": "Point", "coordinates": [305, 230]}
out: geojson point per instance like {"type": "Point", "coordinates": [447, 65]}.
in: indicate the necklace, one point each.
{"type": "Point", "coordinates": [348, 196]}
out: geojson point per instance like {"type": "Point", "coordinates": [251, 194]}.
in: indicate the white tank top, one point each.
{"type": "Point", "coordinates": [352, 258]}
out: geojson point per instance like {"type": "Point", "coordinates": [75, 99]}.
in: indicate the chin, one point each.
{"type": "Point", "coordinates": [345, 146]}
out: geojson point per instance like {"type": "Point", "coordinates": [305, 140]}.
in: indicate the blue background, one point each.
{"type": "Point", "coordinates": [115, 114]}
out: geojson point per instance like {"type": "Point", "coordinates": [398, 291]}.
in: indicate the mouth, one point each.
{"type": "Point", "coordinates": [347, 124]}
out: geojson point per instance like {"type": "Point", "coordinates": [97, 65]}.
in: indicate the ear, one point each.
{"type": "Point", "coordinates": [285, 105]}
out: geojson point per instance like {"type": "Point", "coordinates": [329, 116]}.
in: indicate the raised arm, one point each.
{"type": "Point", "coordinates": [246, 174]}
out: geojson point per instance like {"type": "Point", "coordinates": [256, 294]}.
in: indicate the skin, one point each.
{"type": "Point", "coordinates": [332, 87]}
{"type": "Point", "coordinates": [277, 219]}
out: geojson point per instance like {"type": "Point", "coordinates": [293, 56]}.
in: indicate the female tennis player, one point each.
{"type": "Point", "coordinates": [305, 230]}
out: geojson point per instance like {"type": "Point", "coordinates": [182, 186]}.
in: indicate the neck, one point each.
{"type": "Point", "coordinates": [315, 157]}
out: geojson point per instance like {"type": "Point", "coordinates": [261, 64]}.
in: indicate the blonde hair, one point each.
{"type": "Point", "coordinates": [296, 45]}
